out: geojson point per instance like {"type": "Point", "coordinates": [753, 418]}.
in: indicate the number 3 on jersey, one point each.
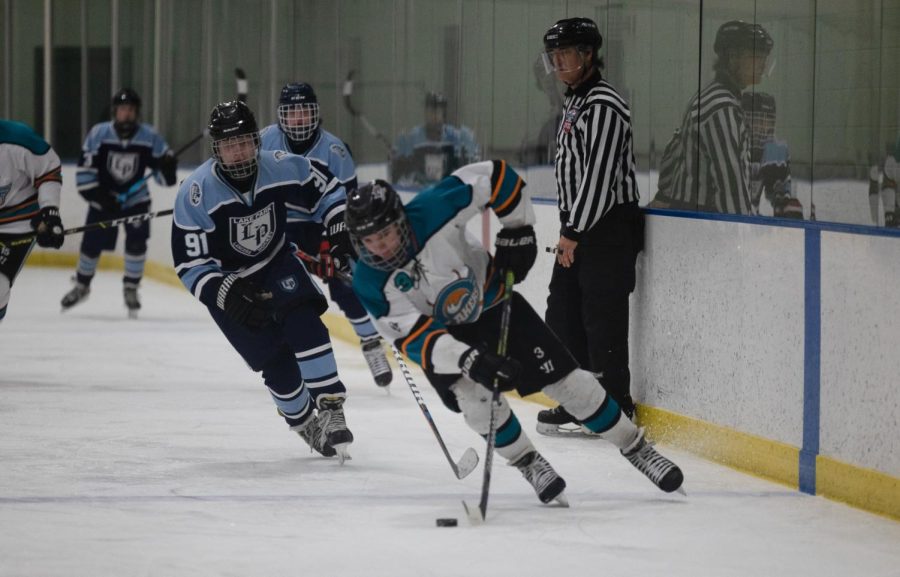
{"type": "Point", "coordinates": [196, 244]}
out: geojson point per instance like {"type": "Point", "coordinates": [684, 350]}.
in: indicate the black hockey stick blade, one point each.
{"type": "Point", "coordinates": [241, 80]}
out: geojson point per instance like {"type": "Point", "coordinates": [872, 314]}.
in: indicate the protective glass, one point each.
{"type": "Point", "coordinates": [237, 156]}
{"type": "Point", "coordinates": [299, 121]}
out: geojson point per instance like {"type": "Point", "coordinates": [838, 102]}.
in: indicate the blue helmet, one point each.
{"type": "Point", "coordinates": [298, 111]}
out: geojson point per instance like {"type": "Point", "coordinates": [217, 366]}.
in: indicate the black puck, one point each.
{"type": "Point", "coordinates": [448, 522]}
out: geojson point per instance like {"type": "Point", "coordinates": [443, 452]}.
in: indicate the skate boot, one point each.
{"type": "Point", "coordinates": [132, 303]}
{"type": "Point", "coordinates": [312, 432]}
{"type": "Point", "coordinates": [377, 361]}
{"type": "Point", "coordinates": [537, 471]}
{"type": "Point", "coordinates": [79, 293]}
{"type": "Point", "coordinates": [663, 472]}
{"type": "Point", "coordinates": [334, 425]}
{"type": "Point", "coordinates": [558, 422]}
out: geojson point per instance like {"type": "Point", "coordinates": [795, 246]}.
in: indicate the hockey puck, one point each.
{"type": "Point", "coordinates": [446, 522]}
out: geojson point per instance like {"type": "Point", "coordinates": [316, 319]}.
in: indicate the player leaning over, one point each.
{"type": "Point", "coordinates": [30, 182]}
{"type": "Point", "coordinates": [433, 291]}
{"type": "Point", "coordinates": [230, 251]}
{"type": "Point", "coordinates": [299, 131]}
{"type": "Point", "coordinates": [110, 177]}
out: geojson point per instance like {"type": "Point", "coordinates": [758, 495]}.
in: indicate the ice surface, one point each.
{"type": "Point", "coordinates": [147, 448]}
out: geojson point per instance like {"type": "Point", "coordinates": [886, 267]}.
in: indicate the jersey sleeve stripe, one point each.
{"type": "Point", "coordinates": [497, 183]}
{"type": "Point", "coordinates": [513, 201]}
{"type": "Point", "coordinates": [24, 211]}
{"type": "Point", "coordinates": [54, 175]}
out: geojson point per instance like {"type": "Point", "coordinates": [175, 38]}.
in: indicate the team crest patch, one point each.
{"type": "Point", "coordinates": [459, 302]}
{"type": "Point", "coordinates": [122, 166]}
{"type": "Point", "coordinates": [195, 195]}
{"type": "Point", "coordinates": [339, 150]}
{"type": "Point", "coordinates": [288, 284]}
{"type": "Point", "coordinates": [4, 190]}
{"type": "Point", "coordinates": [569, 120]}
{"type": "Point", "coordinates": [403, 282]}
{"type": "Point", "coordinates": [251, 234]}
{"type": "Point", "coordinates": [279, 154]}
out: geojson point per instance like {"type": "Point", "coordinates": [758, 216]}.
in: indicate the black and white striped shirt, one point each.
{"type": "Point", "coordinates": [713, 171]}
{"type": "Point", "coordinates": [594, 156]}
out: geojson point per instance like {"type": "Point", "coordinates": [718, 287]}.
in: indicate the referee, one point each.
{"type": "Point", "coordinates": [601, 228]}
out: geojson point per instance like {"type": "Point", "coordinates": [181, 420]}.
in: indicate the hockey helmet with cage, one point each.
{"type": "Point", "coordinates": [233, 130]}
{"type": "Point", "coordinates": [737, 35]}
{"type": "Point", "coordinates": [298, 111]}
{"type": "Point", "coordinates": [759, 113]}
{"type": "Point", "coordinates": [125, 97]}
{"type": "Point", "coordinates": [573, 32]}
{"type": "Point", "coordinates": [435, 100]}
{"type": "Point", "coordinates": [375, 209]}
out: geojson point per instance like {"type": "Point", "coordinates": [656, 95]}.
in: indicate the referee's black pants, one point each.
{"type": "Point", "coordinates": [588, 303]}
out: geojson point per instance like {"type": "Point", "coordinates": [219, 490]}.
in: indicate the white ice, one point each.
{"type": "Point", "coordinates": [147, 448]}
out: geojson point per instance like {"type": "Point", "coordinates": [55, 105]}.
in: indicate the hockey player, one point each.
{"type": "Point", "coordinates": [770, 158]}
{"type": "Point", "coordinates": [299, 131]}
{"type": "Point", "coordinates": [230, 251]}
{"type": "Point", "coordinates": [433, 291]}
{"type": "Point", "coordinates": [883, 182]}
{"type": "Point", "coordinates": [432, 150]}
{"type": "Point", "coordinates": [111, 179]}
{"type": "Point", "coordinates": [30, 182]}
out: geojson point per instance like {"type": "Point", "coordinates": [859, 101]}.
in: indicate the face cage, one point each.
{"type": "Point", "coordinates": [762, 128]}
{"type": "Point", "coordinates": [243, 168]}
{"type": "Point", "coordinates": [301, 131]}
{"type": "Point", "coordinates": [402, 254]}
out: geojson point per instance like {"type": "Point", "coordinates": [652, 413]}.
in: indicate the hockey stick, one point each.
{"type": "Point", "coordinates": [477, 514]}
{"type": "Point", "coordinates": [348, 92]}
{"type": "Point", "coordinates": [141, 217]}
{"type": "Point", "coordinates": [242, 84]}
{"type": "Point", "coordinates": [469, 460]}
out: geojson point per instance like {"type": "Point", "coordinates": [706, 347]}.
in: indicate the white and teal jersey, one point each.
{"type": "Point", "coordinates": [450, 279]}
{"type": "Point", "coordinates": [30, 177]}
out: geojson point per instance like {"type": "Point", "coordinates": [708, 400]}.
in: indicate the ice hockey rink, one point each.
{"type": "Point", "coordinates": [147, 448]}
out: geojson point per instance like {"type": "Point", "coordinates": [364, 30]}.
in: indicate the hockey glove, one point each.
{"type": "Point", "coordinates": [244, 304]}
{"type": "Point", "coordinates": [108, 202]}
{"type": "Point", "coordinates": [48, 227]}
{"type": "Point", "coordinates": [516, 249]}
{"type": "Point", "coordinates": [324, 267]}
{"type": "Point", "coordinates": [340, 249]}
{"type": "Point", "coordinates": [484, 367]}
{"type": "Point", "coordinates": [168, 167]}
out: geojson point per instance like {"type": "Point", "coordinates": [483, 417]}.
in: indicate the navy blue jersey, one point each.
{"type": "Point", "coordinates": [112, 165]}
{"type": "Point", "coordinates": [218, 230]}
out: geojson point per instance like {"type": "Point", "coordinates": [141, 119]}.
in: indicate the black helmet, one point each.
{"type": "Point", "coordinates": [229, 120]}
{"type": "Point", "coordinates": [573, 32]}
{"type": "Point", "coordinates": [739, 35]}
{"type": "Point", "coordinates": [435, 100]}
{"type": "Point", "coordinates": [298, 102]}
{"type": "Point", "coordinates": [372, 208]}
{"type": "Point", "coordinates": [126, 96]}
{"type": "Point", "coordinates": [126, 128]}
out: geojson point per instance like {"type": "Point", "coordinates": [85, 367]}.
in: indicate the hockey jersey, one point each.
{"type": "Point", "coordinates": [450, 280]}
{"type": "Point", "coordinates": [218, 230]}
{"type": "Point", "coordinates": [109, 164]}
{"type": "Point", "coordinates": [30, 177]}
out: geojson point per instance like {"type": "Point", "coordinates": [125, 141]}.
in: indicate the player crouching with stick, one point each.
{"type": "Point", "coordinates": [434, 291]}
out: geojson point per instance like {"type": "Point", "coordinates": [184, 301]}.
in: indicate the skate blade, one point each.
{"type": "Point", "coordinates": [565, 431]}
{"type": "Point", "coordinates": [560, 501]}
{"type": "Point", "coordinates": [473, 512]}
{"type": "Point", "coordinates": [681, 491]}
{"type": "Point", "coordinates": [466, 464]}
{"type": "Point", "coordinates": [132, 314]}
{"type": "Point", "coordinates": [341, 453]}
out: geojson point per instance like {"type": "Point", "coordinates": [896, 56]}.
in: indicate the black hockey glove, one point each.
{"type": "Point", "coordinates": [516, 249]}
{"type": "Point", "coordinates": [244, 303]}
{"type": "Point", "coordinates": [483, 367]}
{"type": "Point", "coordinates": [48, 227]}
{"type": "Point", "coordinates": [340, 249]}
{"type": "Point", "coordinates": [168, 167]}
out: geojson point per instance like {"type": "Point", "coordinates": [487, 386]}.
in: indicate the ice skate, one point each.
{"type": "Point", "coordinates": [132, 303]}
{"type": "Point", "coordinates": [663, 472]}
{"type": "Point", "coordinates": [377, 361]}
{"type": "Point", "coordinates": [312, 432]}
{"type": "Point", "coordinates": [558, 422]}
{"type": "Point", "coordinates": [547, 484]}
{"type": "Point", "coordinates": [79, 293]}
{"type": "Point", "coordinates": [334, 426]}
